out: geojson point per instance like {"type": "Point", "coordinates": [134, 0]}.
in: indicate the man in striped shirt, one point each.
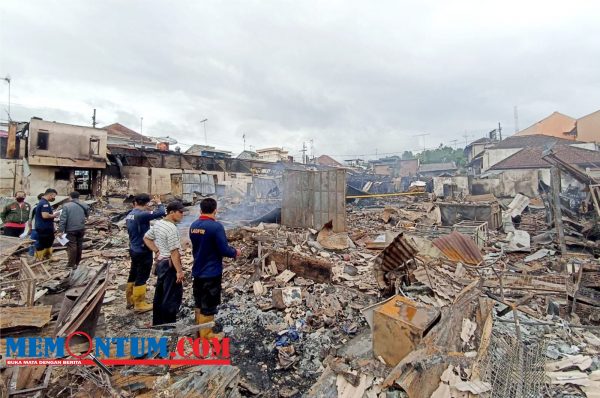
{"type": "Point", "coordinates": [163, 239]}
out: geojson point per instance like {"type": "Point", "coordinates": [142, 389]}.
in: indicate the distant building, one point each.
{"type": "Point", "coordinates": [437, 169]}
{"type": "Point", "coordinates": [587, 128]}
{"type": "Point", "coordinates": [385, 166]}
{"type": "Point", "coordinates": [514, 144]}
{"type": "Point", "coordinates": [117, 134]}
{"type": "Point", "coordinates": [248, 155]}
{"type": "Point", "coordinates": [556, 125]}
{"type": "Point", "coordinates": [325, 160]}
{"type": "Point", "coordinates": [354, 162]}
{"type": "Point", "coordinates": [408, 168]}
{"type": "Point", "coordinates": [274, 154]}
{"type": "Point", "coordinates": [208, 151]}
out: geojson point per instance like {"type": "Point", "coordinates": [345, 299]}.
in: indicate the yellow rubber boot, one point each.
{"type": "Point", "coordinates": [139, 300]}
{"type": "Point", "coordinates": [39, 254]}
{"type": "Point", "coordinates": [207, 333]}
{"type": "Point", "coordinates": [129, 295]}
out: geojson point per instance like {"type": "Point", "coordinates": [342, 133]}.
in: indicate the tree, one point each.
{"type": "Point", "coordinates": [407, 155]}
{"type": "Point", "coordinates": [443, 154]}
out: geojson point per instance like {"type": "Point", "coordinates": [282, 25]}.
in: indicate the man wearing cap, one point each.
{"type": "Point", "coordinates": [44, 224]}
{"type": "Point", "coordinates": [209, 246]}
{"type": "Point", "coordinates": [138, 223]}
{"type": "Point", "coordinates": [72, 222]}
{"type": "Point", "coordinates": [164, 240]}
{"type": "Point", "coordinates": [15, 215]}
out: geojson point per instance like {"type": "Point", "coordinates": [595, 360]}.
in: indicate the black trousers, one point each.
{"type": "Point", "coordinates": [45, 239]}
{"type": "Point", "coordinates": [141, 266]}
{"type": "Point", "coordinates": [74, 247]}
{"type": "Point", "coordinates": [13, 231]}
{"type": "Point", "coordinates": [207, 294]}
{"type": "Point", "coordinates": [168, 294]}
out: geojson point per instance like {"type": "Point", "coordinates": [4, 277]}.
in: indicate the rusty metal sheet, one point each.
{"type": "Point", "coordinates": [14, 318]}
{"type": "Point", "coordinates": [458, 247]}
{"type": "Point", "coordinates": [394, 256]}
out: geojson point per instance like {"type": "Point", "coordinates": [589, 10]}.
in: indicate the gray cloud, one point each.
{"type": "Point", "coordinates": [354, 77]}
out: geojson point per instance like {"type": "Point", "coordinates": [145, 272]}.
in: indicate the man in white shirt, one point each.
{"type": "Point", "coordinates": [163, 239]}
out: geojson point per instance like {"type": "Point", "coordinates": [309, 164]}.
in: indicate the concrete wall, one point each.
{"type": "Point", "coordinates": [11, 176]}
{"type": "Point", "coordinates": [493, 156]}
{"type": "Point", "coordinates": [68, 145]}
{"type": "Point", "coordinates": [588, 127]}
{"type": "Point", "coordinates": [158, 180]}
{"type": "Point", "coordinates": [42, 178]}
{"type": "Point", "coordinates": [461, 182]}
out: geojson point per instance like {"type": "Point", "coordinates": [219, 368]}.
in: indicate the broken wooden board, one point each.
{"type": "Point", "coordinates": [317, 269]}
{"type": "Point", "coordinates": [285, 276]}
{"type": "Point", "coordinates": [28, 380]}
{"type": "Point", "coordinates": [208, 382]}
{"type": "Point", "coordinates": [9, 245]}
{"type": "Point", "coordinates": [18, 318]}
{"type": "Point", "coordinates": [87, 305]}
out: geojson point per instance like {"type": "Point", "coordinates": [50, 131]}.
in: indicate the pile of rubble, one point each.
{"type": "Point", "coordinates": [403, 304]}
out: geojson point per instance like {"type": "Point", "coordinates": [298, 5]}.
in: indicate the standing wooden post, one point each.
{"type": "Point", "coordinates": [555, 182]}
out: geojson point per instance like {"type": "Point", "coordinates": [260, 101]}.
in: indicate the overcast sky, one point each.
{"type": "Point", "coordinates": [356, 77]}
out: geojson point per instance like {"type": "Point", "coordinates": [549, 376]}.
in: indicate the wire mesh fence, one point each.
{"type": "Point", "coordinates": [514, 369]}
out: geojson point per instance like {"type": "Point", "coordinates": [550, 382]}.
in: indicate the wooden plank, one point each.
{"type": "Point", "coordinates": [12, 318]}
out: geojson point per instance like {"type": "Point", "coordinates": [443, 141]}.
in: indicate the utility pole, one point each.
{"type": "Point", "coordinates": [205, 136]}
{"type": "Point", "coordinates": [244, 137]}
{"type": "Point", "coordinates": [555, 183]}
{"type": "Point", "coordinates": [94, 119]}
{"type": "Point", "coordinates": [7, 79]}
{"type": "Point", "coordinates": [303, 152]}
{"type": "Point", "coordinates": [500, 131]}
{"type": "Point", "coordinates": [141, 135]}
{"type": "Point", "coordinates": [312, 149]}
{"type": "Point", "coordinates": [516, 114]}
{"type": "Point", "coordinates": [422, 135]}
{"type": "Point", "coordinates": [466, 136]}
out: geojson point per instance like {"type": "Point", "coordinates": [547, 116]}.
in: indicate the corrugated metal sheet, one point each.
{"type": "Point", "coordinates": [397, 253]}
{"type": "Point", "coordinates": [312, 198]}
{"type": "Point", "coordinates": [394, 256]}
{"type": "Point", "coordinates": [458, 247]}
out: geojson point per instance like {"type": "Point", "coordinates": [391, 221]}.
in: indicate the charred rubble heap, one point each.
{"type": "Point", "coordinates": [416, 298]}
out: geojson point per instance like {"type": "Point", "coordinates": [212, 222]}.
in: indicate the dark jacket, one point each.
{"type": "Point", "coordinates": [138, 223]}
{"type": "Point", "coordinates": [209, 246]}
{"type": "Point", "coordinates": [15, 213]}
{"type": "Point", "coordinates": [43, 225]}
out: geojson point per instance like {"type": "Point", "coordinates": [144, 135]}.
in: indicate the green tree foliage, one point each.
{"type": "Point", "coordinates": [408, 155]}
{"type": "Point", "coordinates": [442, 154]}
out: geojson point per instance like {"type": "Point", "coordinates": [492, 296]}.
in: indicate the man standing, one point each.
{"type": "Point", "coordinates": [15, 215]}
{"type": "Point", "coordinates": [44, 225]}
{"type": "Point", "coordinates": [209, 246]}
{"type": "Point", "coordinates": [72, 221]}
{"type": "Point", "coordinates": [163, 238]}
{"type": "Point", "coordinates": [138, 223]}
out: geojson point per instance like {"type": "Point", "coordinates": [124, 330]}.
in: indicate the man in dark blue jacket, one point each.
{"type": "Point", "coordinates": [209, 246]}
{"type": "Point", "coordinates": [138, 223]}
{"type": "Point", "coordinates": [44, 224]}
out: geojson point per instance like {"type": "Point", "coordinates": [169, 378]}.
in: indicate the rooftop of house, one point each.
{"type": "Point", "coordinates": [120, 131]}
{"type": "Point", "coordinates": [535, 140]}
{"type": "Point", "coordinates": [531, 158]}
{"type": "Point", "coordinates": [326, 160]}
{"type": "Point", "coordinates": [197, 149]}
{"type": "Point", "coordinates": [272, 149]}
{"type": "Point", "coordinates": [248, 155]}
{"type": "Point", "coordinates": [431, 167]}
